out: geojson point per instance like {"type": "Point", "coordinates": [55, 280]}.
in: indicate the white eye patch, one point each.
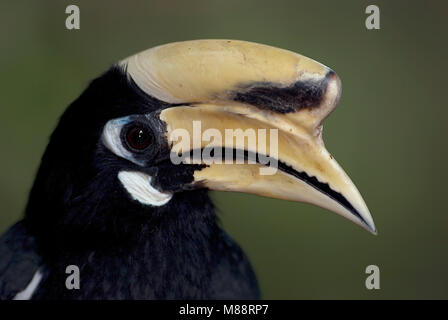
{"type": "Point", "coordinates": [112, 139]}
{"type": "Point", "coordinates": [138, 185]}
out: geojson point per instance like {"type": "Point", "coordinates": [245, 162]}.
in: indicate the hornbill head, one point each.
{"type": "Point", "coordinates": [196, 102]}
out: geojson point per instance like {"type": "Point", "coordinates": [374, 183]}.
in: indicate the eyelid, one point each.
{"type": "Point", "coordinates": [111, 139]}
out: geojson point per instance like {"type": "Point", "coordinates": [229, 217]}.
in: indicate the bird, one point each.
{"type": "Point", "coordinates": [110, 199]}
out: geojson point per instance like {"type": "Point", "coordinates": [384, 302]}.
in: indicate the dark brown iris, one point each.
{"type": "Point", "coordinates": [138, 137]}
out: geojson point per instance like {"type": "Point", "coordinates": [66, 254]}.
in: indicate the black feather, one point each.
{"type": "Point", "coordinates": [78, 213]}
{"type": "Point", "coordinates": [19, 260]}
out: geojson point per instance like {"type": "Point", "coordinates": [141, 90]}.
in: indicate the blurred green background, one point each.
{"type": "Point", "coordinates": [388, 132]}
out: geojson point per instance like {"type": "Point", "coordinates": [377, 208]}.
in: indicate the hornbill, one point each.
{"type": "Point", "coordinates": [108, 199]}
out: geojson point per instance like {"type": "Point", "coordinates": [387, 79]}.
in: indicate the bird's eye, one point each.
{"type": "Point", "coordinates": [138, 137]}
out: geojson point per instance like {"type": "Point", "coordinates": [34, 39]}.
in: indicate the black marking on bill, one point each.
{"type": "Point", "coordinates": [305, 94]}
{"type": "Point", "coordinates": [310, 180]}
{"type": "Point", "coordinates": [322, 187]}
